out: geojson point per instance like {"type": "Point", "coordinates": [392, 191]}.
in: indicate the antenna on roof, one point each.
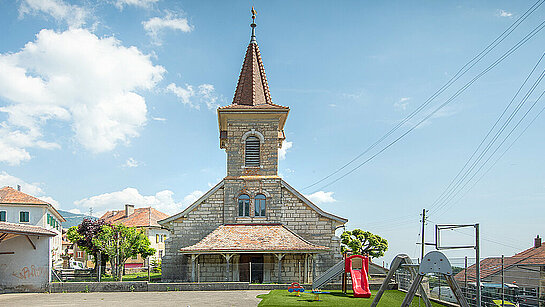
{"type": "Point", "coordinates": [90, 211]}
{"type": "Point", "coordinates": [19, 188]}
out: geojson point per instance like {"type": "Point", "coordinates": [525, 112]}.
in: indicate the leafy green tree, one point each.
{"type": "Point", "coordinates": [360, 242]}
{"type": "Point", "coordinates": [120, 243]}
{"type": "Point", "coordinates": [83, 236]}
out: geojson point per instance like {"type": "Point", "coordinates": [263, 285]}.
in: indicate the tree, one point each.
{"type": "Point", "coordinates": [120, 243]}
{"type": "Point", "coordinates": [83, 236]}
{"type": "Point", "coordinates": [361, 242]}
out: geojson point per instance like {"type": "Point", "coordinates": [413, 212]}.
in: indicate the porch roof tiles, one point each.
{"type": "Point", "coordinates": [256, 238]}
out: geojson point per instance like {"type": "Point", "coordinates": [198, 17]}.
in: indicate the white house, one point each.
{"type": "Point", "coordinates": [20, 208]}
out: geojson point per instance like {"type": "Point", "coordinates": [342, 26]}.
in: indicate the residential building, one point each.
{"type": "Point", "coordinates": [146, 220]}
{"type": "Point", "coordinates": [21, 208]}
{"type": "Point", "coordinates": [525, 270]}
{"type": "Point", "coordinates": [251, 226]}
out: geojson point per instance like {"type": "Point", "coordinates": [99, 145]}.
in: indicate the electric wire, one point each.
{"type": "Point", "coordinates": [456, 181]}
{"type": "Point", "coordinates": [455, 95]}
{"type": "Point", "coordinates": [454, 78]}
{"type": "Point", "coordinates": [452, 193]}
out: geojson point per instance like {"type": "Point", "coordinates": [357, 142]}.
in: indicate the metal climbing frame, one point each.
{"type": "Point", "coordinates": [399, 261]}
{"type": "Point", "coordinates": [434, 262]}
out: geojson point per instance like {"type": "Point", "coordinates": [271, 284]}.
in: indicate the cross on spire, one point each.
{"type": "Point", "coordinates": [253, 25]}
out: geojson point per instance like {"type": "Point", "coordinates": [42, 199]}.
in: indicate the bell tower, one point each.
{"type": "Point", "coordinates": [252, 127]}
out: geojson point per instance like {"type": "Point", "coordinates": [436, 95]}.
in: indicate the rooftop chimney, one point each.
{"type": "Point", "coordinates": [537, 242]}
{"type": "Point", "coordinates": [129, 209]}
{"type": "Point", "coordinates": [19, 188]}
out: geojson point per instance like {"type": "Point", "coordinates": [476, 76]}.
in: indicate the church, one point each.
{"type": "Point", "coordinates": [252, 226]}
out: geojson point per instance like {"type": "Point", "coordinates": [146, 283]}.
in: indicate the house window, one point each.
{"type": "Point", "coordinates": [244, 205]}
{"type": "Point", "coordinates": [80, 254]}
{"type": "Point", "coordinates": [252, 152]}
{"type": "Point", "coordinates": [24, 217]}
{"type": "Point", "coordinates": [2, 216]}
{"type": "Point", "coordinates": [260, 201]}
{"type": "Point", "coordinates": [159, 238]}
{"type": "Point", "coordinates": [160, 254]}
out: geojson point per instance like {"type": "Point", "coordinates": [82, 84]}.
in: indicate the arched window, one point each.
{"type": "Point", "coordinates": [251, 157]}
{"type": "Point", "coordinates": [260, 204]}
{"type": "Point", "coordinates": [244, 205]}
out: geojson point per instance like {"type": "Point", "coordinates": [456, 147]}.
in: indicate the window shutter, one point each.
{"type": "Point", "coordinates": [252, 152]}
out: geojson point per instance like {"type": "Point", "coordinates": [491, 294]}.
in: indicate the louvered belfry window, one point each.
{"type": "Point", "coordinates": [252, 152]}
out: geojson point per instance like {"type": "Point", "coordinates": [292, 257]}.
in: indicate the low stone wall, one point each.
{"type": "Point", "coordinates": [144, 286]}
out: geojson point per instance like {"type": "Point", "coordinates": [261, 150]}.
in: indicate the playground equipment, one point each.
{"type": "Point", "coordinates": [433, 262]}
{"type": "Point", "coordinates": [296, 287]}
{"type": "Point", "coordinates": [357, 266]}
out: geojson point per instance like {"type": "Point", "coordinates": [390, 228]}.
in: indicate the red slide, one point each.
{"type": "Point", "coordinates": [358, 273]}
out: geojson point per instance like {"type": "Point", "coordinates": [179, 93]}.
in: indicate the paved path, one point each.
{"type": "Point", "coordinates": [132, 299]}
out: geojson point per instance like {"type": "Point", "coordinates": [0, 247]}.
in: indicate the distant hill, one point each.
{"type": "Point", "coordinates": [73, 219]}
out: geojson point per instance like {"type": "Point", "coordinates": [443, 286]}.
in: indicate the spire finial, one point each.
{"type": "Point", "coordinates": [253, 25]}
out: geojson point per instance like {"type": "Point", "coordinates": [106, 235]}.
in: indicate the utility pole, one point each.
{"type": "Point", "coordinates": [422, 237]}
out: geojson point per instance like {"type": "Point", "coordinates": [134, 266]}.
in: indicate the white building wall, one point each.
{"type": "Point", "coordinates": [158, 246]}
{"type": "Point", "coordinates": [27, 269]}
{"type": "Point", "coordinates": [37, 217]}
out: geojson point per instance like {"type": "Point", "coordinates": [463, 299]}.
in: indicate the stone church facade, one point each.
{"type": "Point", "coordinates": [252, 226]}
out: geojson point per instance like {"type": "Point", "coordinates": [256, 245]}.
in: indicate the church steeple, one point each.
{"type": "Point", "coordinates": [252, 88]}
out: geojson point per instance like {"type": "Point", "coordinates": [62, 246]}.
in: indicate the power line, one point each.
{"type": "Point", "coordinates": [453, 79]}
{"type": "Point", "coordinates": [495, 162]}
{"type": "Point", "coordinates": [454, 96]}
{"type": "Point", "coordinates": [452, 193]}
{"type": "Point", "coordinates": [457, 180]}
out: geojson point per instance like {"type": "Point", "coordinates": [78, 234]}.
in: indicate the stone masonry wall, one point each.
{"type": "Point", "coordinates": [188, 231]}
{"type": "Point", "coordinates": [235, 147]}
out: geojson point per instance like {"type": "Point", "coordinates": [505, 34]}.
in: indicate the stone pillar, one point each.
{"type": "Point", "coordinates": [193, 266]}
{"type": "Point", "coordinates": [228, 272]}
{"type": "Point", "coordinates": [279, 258]}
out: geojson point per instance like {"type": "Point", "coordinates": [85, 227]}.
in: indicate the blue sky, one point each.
{"type": "Point", "coordinates": [109, 102]}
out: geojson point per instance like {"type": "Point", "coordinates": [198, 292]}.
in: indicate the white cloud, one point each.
{"type": "Point", "coordinates": [194, 98]}
{"type": "Point", "coordinates": [160, 119]}
{"type": "Point", "coordinates": [77, 78]}
{"type": "Point", "coordinates": [138, 3]}
{"type": "Point", "coordinates": [75, 211]}
{"type": "Point", "coordinates": [162, 201]}
{"type": "Point", "coordinates": [503, 13]}
{"type": "Point", "coordinates": [156, 25]}
{"type": "Point", "coordinates": [332, 105]}
{"type": "Point", "coordinates": [131, 162]}
{"type": "Point", "coordinates": [73, 15]}
{"type": "Point", "coordinates": [402, 104]}
{"type": "Point", "coordinates": [284, 149]}
{"type": "Point", "coordinates": [32, 189]}
{"type": "Point", "coordinates": [321, 197]}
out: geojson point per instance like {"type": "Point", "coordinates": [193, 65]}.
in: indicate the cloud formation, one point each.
{"type": "Point", "coordinates": [321, 197]}
{"type": "Point", "coordinates": [402, 104]}
{"type": "Point", "coordinates": [32, 189]}
{"type": "Point", "coordinates": [138, 3]}
{"type": "Point", "coordinates": [77, 78]}
{"type": "Point", "coordinates": [131, 162]}
{"type": "Point", "coordinates": [503, 13]}
{"type": "Point", "coordinates": [73, 15]}
{"type": "Point", "coordinates": [156, 25]}
{"type": "Point", "coordinates": [284, 149]}
{"type": "Point", "coordinates": [162, 201]}
{"type": "Point", "coordinates": [193, 97]}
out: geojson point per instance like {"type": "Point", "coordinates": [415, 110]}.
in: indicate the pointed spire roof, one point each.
{"type": "Point", "coordinates": [252, 88]}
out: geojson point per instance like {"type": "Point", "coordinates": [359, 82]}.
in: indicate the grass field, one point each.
{"type": "Point", "coordinates": [334, 298]}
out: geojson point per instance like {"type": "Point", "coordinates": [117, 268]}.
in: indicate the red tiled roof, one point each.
{"type": "Point", "coordinates": [142, 217]}
{"type": "Point", "coordinates": [252, 88]}
{"type": "Point", "coordinates": [492, 265]}
{"type": "Point", "coordinates": [12, 228]}
{"type": "Point", "coordinates": [252, 238]}
{"type": "Point", "coordinates": [9, 195]}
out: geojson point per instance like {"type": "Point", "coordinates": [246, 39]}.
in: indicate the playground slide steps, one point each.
{"type": "Point", "coordinates": [331, 273]}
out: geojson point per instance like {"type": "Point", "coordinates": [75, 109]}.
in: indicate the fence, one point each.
{"type": "Point", "coordinates": [515, 280]}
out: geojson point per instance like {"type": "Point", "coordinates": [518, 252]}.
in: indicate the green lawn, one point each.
{"type": "Point", "coordinates": [142, 276]}
{"type": "Point", "coordinates": [334, 298]}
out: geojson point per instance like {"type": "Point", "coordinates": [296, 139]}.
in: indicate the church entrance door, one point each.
{"type": "Point", "coordinates": [254, 272]}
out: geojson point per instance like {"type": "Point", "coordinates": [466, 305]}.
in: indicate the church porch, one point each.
{"type": "Point", "coordinates": [256, 253]}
